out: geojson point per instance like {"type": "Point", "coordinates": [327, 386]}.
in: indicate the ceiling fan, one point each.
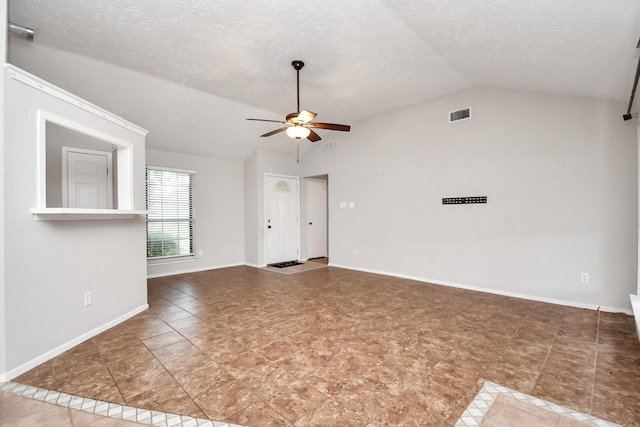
{"type": "Point", "coordinates": [299, 124]}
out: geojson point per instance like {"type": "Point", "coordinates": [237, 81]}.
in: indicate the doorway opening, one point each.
{"type": "Point", "coordinates": [317, 221]}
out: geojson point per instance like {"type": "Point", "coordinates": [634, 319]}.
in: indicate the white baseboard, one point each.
{"type": "Point", "coordinates": [7, 376]}
{"type": "Point", "coordinates": [192, 270]}
{"type": "Point", "coordinates": [635, 307]}
{"type": "Point", "coordinates": [490, 291]}
{"type": "Point", "coordinates": [249, 264]}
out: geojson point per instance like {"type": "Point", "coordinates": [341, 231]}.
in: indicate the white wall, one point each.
{"type": "Point", "coordinates": [51, 264]}
{"type": "Point", "coordinates": [219, 211]}
{"type": "Point", "coordinates": [559, 173]}
{"type": "Point", "coordinates": [179, 118]}
{"type": "Point", "coordinates": [251, 223]}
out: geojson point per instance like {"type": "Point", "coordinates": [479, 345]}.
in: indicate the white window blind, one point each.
{"type": "Point", "coordinates": [170, 213]}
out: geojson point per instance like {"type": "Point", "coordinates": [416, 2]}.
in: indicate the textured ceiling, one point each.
{"type": "Point", "coordinates": [364, 57]}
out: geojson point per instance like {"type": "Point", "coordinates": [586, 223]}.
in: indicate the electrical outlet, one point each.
{"type": "Point", "coordinates": [584, 277]}
{"type": "Point", "coordinates": [356, 251]}
{"type": "Point", "coordinates": [87, 299]}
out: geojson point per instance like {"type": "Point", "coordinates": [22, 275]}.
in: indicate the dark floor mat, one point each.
{"type": "Point", "coordinates": [285, 264]}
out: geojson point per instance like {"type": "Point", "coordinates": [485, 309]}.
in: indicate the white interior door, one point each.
{"type": "Point", "coordinates": [86, 181]}
{"type": "Point", "coordinates": [316, 218]}
{"type": "Point", "coordinates": [282, 225]}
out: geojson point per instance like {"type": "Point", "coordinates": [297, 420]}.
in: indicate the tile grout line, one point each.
{"type": "Point", "coordinates": [108, 369]}
{"type": "Point", "coordinates": [165, 368]}
{"type": "Point", "coordinates": [187, 339]}
{"type": "Point", "coordinates": [544, 363]}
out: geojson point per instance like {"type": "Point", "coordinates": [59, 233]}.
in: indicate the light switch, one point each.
{"type": "Point", "coordinates": [343, 205]}
{"type": "Point", "coordinates": [352, 205]}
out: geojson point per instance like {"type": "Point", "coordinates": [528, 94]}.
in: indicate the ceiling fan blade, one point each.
{"type": "Point", "coordinates": [265, 120]}
{"type": "Point", "coordinates": [313, 137]}
{"type": "Point", "coordinates": [306, 116]}
{"type": "Point", "coordinates": [273, 132]}
{"type": "Point", "coordinates": [329, 126]}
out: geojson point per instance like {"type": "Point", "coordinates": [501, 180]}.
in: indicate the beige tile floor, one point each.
{"type": "Point", "coordinates": [337, 347]}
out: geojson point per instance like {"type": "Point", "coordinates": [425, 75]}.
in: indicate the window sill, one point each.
{"type": "Point", "coordinates": [65, 214]}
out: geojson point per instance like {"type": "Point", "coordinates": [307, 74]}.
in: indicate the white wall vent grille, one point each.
{"type": "Point", "coordinates": [462, 114]}
{"type": "Point", "coordinates": [329, 145]}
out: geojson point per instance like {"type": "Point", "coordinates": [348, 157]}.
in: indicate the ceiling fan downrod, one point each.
{"type": "Point", "coordinates": [297, 64]}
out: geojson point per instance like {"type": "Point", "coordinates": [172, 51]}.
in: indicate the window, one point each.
{"type": "Point", "coordinates": [170, 217]}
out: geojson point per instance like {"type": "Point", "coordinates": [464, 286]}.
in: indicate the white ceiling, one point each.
{"type": "Point", "coordinates": [363, 57]}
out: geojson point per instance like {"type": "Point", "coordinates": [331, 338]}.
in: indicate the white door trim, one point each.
{"type": "Point", "coordinates": [265, 211]}
{"type": "Point", "coordinates": [638, 264]}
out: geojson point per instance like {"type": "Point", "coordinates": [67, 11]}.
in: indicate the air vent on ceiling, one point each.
{"type": "Point", "coordinates": [329, 145]}
{"type": "Point", "coordinates": [462, 114]}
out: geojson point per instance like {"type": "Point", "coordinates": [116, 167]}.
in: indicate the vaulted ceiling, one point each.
{"type": "Point", "coordinates": [363, 57]}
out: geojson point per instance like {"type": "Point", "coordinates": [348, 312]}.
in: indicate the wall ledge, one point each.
{"type": "Point", "coordinates": [60, 214]}
{"type": "Point", "coordinates": [44, 86]}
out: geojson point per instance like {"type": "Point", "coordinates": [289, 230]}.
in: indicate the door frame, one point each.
{"type": "Point", "coordinates": [638, 263]}
{"type": "Point", "coordinates": [265, 209]}
{"type": "Point", "coordinates": [65, 172]}
{"type": "Point", "coordinates": [324, 179]}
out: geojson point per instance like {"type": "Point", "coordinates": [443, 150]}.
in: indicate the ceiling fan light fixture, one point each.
{"type": "Point", "coordinates": [306, 116]}
{"type": "Point", "coordinates": [298, 132]}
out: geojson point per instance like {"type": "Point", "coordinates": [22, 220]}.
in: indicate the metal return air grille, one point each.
{"type": "Point", "coordinates": [464, 200]}
{"type": "Point", "coordinates": [463, 114]}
